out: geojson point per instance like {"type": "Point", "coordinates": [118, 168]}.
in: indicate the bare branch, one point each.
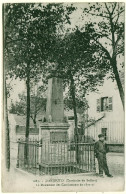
{"type": "Point", "coordinates": [118, 38]}
{"type": "Point", "coordinates": [31, 116]}
{"type": "Point", "coordinates": [106, 36]}
{"type": "Point", "coordinates": [107, 9]}
{"type": "Point", "coordinates": [119, 52]}
{"type": "Point", "coordinates": [118, 13]}
{"type": "Point", "coordinates": [97, 15]}
{"type": "Point", "coordinates": [114, 8]}
{"type": "Point", "coordinates": [103, 48]}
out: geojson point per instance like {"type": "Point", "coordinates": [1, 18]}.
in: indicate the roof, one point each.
{"type": "Point", "coordinates": [95, 121]}
{"type": "Point", "coordinates": [70, 113]}
{"type": "Point", "coordinates": [21, 120]}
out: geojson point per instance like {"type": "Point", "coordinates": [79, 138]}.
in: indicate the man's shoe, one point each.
{"type": "Point", "coordinates": [109, 175]}
{"type": "Point", "coordinates": [101, 175]}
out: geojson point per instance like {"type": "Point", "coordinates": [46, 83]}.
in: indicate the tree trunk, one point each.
{"type": "Point", "coordinates": [34, 121]}
{"type": "Point", "coordinates": [28, 106]}
{"type": "Point", "coordinates": [72, 92]}
{"type": "Point", "coordinates": [7, 137]}
{"type": "Point", "coordinates": [6, 132]}
{"type": "Point", "coordinates": [27, 116]}
{"type": "Point", "coordinates": [114, 63]}
{"type": "Point", "coordinates": [117, 78]}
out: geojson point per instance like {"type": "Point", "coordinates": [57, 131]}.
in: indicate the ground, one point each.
{"type": "Point", "coordinates": [18, 180]}
{"type": "Point", "coordinates": [116, 164]}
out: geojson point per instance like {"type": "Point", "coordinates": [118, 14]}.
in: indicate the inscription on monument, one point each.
{"type": "Point", "coordinates": [58, 136]}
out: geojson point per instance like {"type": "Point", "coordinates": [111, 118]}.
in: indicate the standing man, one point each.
{"type": "Point", "coordinates": [100, 153]}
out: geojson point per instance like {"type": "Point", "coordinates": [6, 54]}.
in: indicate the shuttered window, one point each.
{"type": "Point", "coordinates": [98, 105]}
{"type": "Point", "coordinates": [110, 104]}
{"type": "Point", "coordinates": [104, 104]}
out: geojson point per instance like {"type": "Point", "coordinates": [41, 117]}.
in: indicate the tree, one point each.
{"type": "Point", "coordinates": [7, 131]}
{"type": "Point", "coordinates": [38, 103]}
{"type": "Point", "coordinates": [30, 30]}
{"type": "Point", "coordinates": [77, 65]}
{"type": "Point", "coordinates": [108, 35]}
{"type": "Point", "coordinates": [30, 33]}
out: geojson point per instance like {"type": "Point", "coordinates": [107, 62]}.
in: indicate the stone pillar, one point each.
{"type": "Point", "coordinates": [55, 106]}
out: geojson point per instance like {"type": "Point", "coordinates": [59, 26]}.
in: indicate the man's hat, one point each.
{"type": "Point", "coordinates": [101, 135]}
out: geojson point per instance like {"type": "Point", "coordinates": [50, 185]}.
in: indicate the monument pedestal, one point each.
{"type": "Point", "coordinates": [53, 132]}
{"type": "Point", "coordinates": [54, 138]}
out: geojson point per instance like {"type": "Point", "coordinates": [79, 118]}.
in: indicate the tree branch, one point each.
{"type": "Point", "coordinates": [103, 48]}
{"type": "Point", "coordinates": [31, 116]}
{"type": "Point", "coordinates": [97, 15]}
{"type": "Point", "coordinates": [107, 9]}
{"type": "Point", "coordinates": [118, 13]}
{"type": "Point", "coordinates": [106, 36]}
{"type": "Point", "coordinates": [118, 38]}
{"type": "Point", "coordinates": [119, 52]}
{"type": "Point", "coordinates": [114, 8]}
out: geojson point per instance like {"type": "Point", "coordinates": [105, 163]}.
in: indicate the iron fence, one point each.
{"type": "Point", "coordinates": [56, 157]}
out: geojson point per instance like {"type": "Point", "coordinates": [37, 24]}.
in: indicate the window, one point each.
{"type": "Point", "coordinates": [104, 131]}
{"type": "Point", "coordinates": [104, 104]}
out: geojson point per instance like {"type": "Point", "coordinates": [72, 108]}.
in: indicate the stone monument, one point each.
{"type": "Point", "coordinates": [55, 106]}
{"type": "Point", "coordinates": [53, 132]}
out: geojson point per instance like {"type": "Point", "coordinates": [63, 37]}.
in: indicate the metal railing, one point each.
{"type": "Point", "coordinates": [56, 158]}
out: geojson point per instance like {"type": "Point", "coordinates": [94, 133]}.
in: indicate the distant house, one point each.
{"type": "Point", "coordinates": [70, 117]}
{"type": "Point", "coordinates": [17, 125]}
{"type": "Point", "coordinates": [105, 107]}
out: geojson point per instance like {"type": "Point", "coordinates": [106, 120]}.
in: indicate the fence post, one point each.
{"type": "Point", "coordinates": [26, 152]}
{"type": "Point", "coordinates": [17, 165]}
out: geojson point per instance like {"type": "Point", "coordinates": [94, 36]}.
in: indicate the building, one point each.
{"type": "Point", "coordinates": [105, 107]}
{"type": "Point", "coordinates": [17, 127]}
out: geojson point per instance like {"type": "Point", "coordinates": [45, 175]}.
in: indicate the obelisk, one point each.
{"type": "Point", "coordinates": [55, 122]}
{"type": "Point", "coordinates": [55, 105]}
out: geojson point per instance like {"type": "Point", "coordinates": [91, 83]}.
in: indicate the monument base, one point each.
{"type": "Point", "coordinates": [54, 147]}
{"type": "Point", "coordinates": [60, 169]}
{"type": "Point", "coordinates": [53, 132]}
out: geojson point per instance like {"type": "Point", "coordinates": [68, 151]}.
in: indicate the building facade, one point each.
{"type": "Point", "coordinates": [105, 107]}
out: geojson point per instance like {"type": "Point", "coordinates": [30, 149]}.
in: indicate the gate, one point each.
{"type": "Point", "coordinates": [56, 157]}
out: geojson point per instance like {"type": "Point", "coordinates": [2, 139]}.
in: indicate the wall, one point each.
{"type": "Point", "coordinates": [115, 131]}
{"type": "Point", "coordinates": [108, 89]}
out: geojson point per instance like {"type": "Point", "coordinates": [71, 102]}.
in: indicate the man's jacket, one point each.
{"type": "Point", "coordinates": [100, 147]}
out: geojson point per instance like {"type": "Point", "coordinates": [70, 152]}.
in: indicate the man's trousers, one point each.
{"type": "Point", "coordinates": [102, 163]}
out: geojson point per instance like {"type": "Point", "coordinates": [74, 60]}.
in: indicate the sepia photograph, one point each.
{"type": "Point", "coordinates": [63, 96]}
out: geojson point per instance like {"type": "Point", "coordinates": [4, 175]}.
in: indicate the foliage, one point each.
{"type": "Point", "coordinates": [30, 30]}
{"type": "Point", "coordinates": [38, 103]}
{"type": "Point", "coordinates": [107, 35]}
